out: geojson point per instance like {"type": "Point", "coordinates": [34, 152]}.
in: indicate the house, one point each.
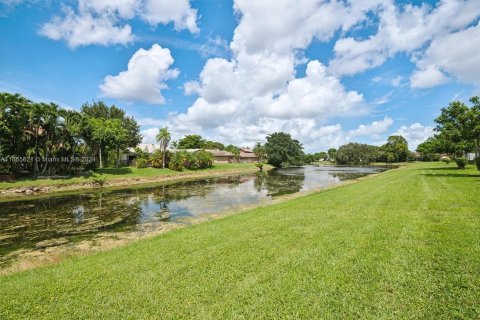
{"type": "Point", "coordinates": [129, 156]}
{"type": "Point", "coordinates": [222, 156]}
{"type": "Point", "coordinates": [247, 155]}
{"type": "Point", "coordinates": [470, 156]}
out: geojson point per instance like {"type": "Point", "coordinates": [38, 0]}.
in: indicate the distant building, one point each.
{"type": "Point", "coordinates": [129, 156]}
{"type": "Point", "coordinates": [221, 156]}
{"type": "Point", "coordinates": [247, 155]}
{"type": "Point", "coordinates": [470, 156]}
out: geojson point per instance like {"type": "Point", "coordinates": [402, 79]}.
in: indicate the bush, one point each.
{"type": "Point", "coordinates": [477, 162]}
{"type": "Point", "coordinates": [204, 159]}
{"type": "Point", "coordinates": [99, 179]}
{"type": "Point", "coordinates": [200, 159]}
{"type": "Point", "coordinates": [447, 160]}
{"type": "Point", "coordinates": [156, 159]}
{"type": "Point", "coordinates": [461, 162]}
{"type": "Point", "coordinates": [430, 157]}
{"type": "Point", "coordinates": [177, 161]}
{"type": "Point", "coordinates": [259, 166]}
{"type": "Point", "coordinates": [141, 163]}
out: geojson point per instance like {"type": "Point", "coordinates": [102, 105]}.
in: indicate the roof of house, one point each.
{"type": "Point", "coordinates": [247, 153]}
{"type": "Point", "coordinates": [149, 147]}
{"type": "Point", "coordinates": [246, 150]}
{"type": "Point", "coordinates": [221, 153]}
{"type": "Point", "coordinates": [215, 152]}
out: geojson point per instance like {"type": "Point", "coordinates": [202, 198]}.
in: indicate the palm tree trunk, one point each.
{"type": "Point", "coordinates": [100, 155]}
{"type": "Point", "coordinates": [118, 156]}
{"type": "Point", "coordinates": [35, 163]}
{"type": "Point", "coordinates": [163, 159]}
{"type": "Point", "coordinates": [46, 162]}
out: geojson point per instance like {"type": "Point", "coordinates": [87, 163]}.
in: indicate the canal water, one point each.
{"type": "Point", "coordinates": [38, 223]}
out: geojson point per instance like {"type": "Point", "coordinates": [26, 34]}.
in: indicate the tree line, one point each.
{"type": "Point", "coordinates": [457, 132]}
{"type": "Point", "coordinates": [46, 139]}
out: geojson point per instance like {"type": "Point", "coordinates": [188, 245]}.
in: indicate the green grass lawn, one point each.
{"type": "Point", "coordinates": [402, 245]}
{"type": "Point", "coordinates": [122, 173]}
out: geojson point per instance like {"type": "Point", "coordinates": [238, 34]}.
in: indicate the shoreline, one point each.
{"type": "Point", "coordinates": [104, 241]}
{"type": "Point", "coordinates": [38, 191]}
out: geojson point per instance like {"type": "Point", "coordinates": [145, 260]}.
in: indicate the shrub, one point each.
{"type": "Point", "coordinates": [461, 162]}
{"type": "Point", "coordinates": [259, 166]}
{"type": "Point", "coordinates": [191, 161]}
{"type": "Point", "coordinates": [430, 157]}
{"type": "Point", "coordinates": [156, 159]}
{"type": "Point", "coordinates": [447, 160]}
{"type": "Point", "coordinates": [99, 179]}
{"type": "Point", "coordinates": [477, 162]}
{"type": "Point", "coordinates": [204, 159]}
{"type": "Point", "coordinates": [177, 161]}
{"type": "Point", "coordinates": [141, 163]}
{"type": "Point", "coordinates": [200, 159]}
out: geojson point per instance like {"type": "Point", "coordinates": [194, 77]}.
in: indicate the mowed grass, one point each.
{"type": "Point", "coordinates": [401, 245]}
{"type": "Point", "coordinates": [124, 173]}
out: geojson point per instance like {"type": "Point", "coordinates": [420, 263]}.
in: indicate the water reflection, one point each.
{"type": "Point", "coordinates": [277, 183]}
{"type": "Point", "coordinates": [26, 222]}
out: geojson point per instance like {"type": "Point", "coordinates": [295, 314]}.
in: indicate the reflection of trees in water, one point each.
{"type": "Point", "coordinates": [278, 184]}
{"type": "Point", "coordinates": [28, 221]}
{"type": "Point", "coordinates": [24, 222]}
{"type": "Point", "coordinates": [163, 195]}
{"type": "Point", "coordinates": [342, 176]}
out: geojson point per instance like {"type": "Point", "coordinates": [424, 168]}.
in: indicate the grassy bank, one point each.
{"type": "Point", "coordinates": [404, 244]}
{"type": "Point", "coordinates": [124, 175]}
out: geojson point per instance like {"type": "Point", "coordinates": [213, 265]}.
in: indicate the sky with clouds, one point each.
{"type": "Point", "coordinates": [327, 72]}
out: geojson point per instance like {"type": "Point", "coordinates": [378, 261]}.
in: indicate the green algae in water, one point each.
{"type": "Point", "coordinates": [25, 223]}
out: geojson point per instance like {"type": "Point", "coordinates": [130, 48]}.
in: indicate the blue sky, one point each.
{"type": "Point", "coordinates": [327, 72]}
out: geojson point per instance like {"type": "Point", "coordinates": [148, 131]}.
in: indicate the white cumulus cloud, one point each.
{"type": "Point", "coordinates": [105, 22]}
{"type": "Point", "coordinates": [373, 130]}
{"type": "Point", "coordinates": [164, 11]}
{"type": "Point", "coordinates": [144, 78]}
{"type": "Point", "coordinates": [149, 135]}
{"type": "Point", "coordinates": [404, 28]}
{"type": "Point", "coordinates": [256, 92]}
{"type": "Point", "coordinates": [454, 54]}
{"type": "Point", "coordinates": [427, 78]}
{"type": "Point", "coordinates": [85, 29]}
{"type": "Point", "coordinates": [415, 134]}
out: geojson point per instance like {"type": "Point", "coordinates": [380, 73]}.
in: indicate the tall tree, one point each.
{"type": "Point", "coordinates": [71, 135]}
{"type": "Point", "coordinates": [282, 150]}
{"type": "Point", "coordinates": [234, 150]}
{"type": "Point", "coordinates": [129, 137]}
{"type": "Point", "coordinates": [474, 118]}
{"type": "Point", "coordinates": [357, 153]}
{"type": "Point", "coordinates": [214, 145]}
{"type": "Point", "coordinates": [454, 129]}
{"type": "Point", "coordinates": [259, 151]}
{"type": "Point", "coordinates": [395, 149]}
{"type": "Point", "coordinates": [331, 154]}
{"type": "Point", "coordinates": [163, 138]}
{"type": "Point", "coordinates": [192, 141]}
{"type": "Point", "coordinates": [14, 112]}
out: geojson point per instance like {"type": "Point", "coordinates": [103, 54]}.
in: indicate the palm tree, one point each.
{"type": "Point", "coordinates": [163, 138]}
{"type": "Point", "coordinates": [71, 132]}
{"type": "Point", "coordinates": [259, 151]}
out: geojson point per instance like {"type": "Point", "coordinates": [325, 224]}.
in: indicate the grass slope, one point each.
{"type": "Point", "coordinates": [123, 173]}
{"type": "Point", "coordinates": [404, 244]}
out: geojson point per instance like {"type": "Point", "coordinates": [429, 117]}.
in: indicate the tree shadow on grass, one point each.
{"type": "Point", "coordinates": [440, 168]}
{"type": "Point", "coordinates": [115, 171]}
{"type": "Point", "coordinates": [459, 175]}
